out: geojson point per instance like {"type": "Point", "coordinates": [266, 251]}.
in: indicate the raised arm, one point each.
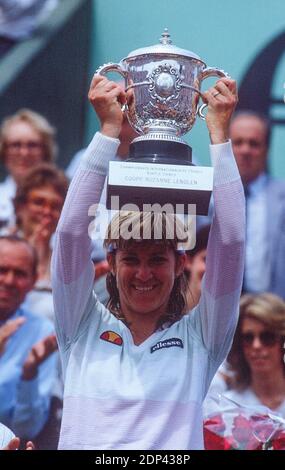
{"type": "Point", "coordinates": [217, 312]}
{"type": "Point", "coordinates": [72, 268]}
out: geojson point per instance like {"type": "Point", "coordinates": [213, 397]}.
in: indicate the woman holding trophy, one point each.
{"type": "Point", "coordinates": [136, 372]}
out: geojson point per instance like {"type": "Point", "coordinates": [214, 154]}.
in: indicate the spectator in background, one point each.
{"type": "Point", "coordinates": [38, 353]}
{"type": "Point", "coordinates": [25, 386]}
{"type": "Point", "coordinates": [257, 355]}
{"type": "Point", "coordinates": [20, 18]}
{"type": "Point", "coordinates": [195, 267]}
{"type": "Point", "coordinates": [26, 139]}
{"type": "Point", "coordinates": [38, 203]}
{"type": "Point", "coordinates": [265, 196]}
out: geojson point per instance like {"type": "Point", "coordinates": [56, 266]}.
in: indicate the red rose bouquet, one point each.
{"type": "Point", "coordinates": [237, 427]}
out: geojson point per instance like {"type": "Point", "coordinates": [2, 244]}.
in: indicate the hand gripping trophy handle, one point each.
{"type": "Point", "coordinates": [209, 72]}
{"type": "Point", "coordinates": [112, 67]}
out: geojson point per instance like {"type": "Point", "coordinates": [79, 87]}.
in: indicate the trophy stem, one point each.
{"type": "Point", "coordinates": [159, 151]}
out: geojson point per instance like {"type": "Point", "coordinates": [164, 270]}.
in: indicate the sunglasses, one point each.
{"type": "Point", "coordinates": [267, 338]}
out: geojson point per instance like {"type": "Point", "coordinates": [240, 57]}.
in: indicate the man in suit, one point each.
{"type": "Point", "coordinates": [265, 250]}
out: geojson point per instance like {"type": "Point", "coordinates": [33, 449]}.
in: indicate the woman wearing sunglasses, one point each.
{"type": "Point", "coordinates": [257, 357]}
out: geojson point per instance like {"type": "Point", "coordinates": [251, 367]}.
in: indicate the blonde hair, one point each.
{"type": "Point", "coordinates": [39, 123]}
{"type": "Point", "coordinates": [161, 227]}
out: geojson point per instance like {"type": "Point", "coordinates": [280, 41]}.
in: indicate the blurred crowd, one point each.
{"type": "Point", "coordinates": [20, 19]}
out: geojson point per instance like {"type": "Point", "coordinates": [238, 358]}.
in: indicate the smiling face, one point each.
{"type": "Point", "coordinates": [262, 353]}
{"type": "Point", "coordinates": [145, 277]}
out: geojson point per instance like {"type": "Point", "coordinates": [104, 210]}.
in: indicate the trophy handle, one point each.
{"type": "Point", "coordinates": [111, 67]}
{"type": "Point", "coordinates": [210, 72]}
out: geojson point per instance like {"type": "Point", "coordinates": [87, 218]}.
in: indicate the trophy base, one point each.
{"type": "Point", "coordinates": [142, 186]}
{"type": "Point", "coordinates": [166, 152]}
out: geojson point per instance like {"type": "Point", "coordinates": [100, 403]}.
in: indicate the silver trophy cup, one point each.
{"type": "Point", "coordinates": [163, 84]}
